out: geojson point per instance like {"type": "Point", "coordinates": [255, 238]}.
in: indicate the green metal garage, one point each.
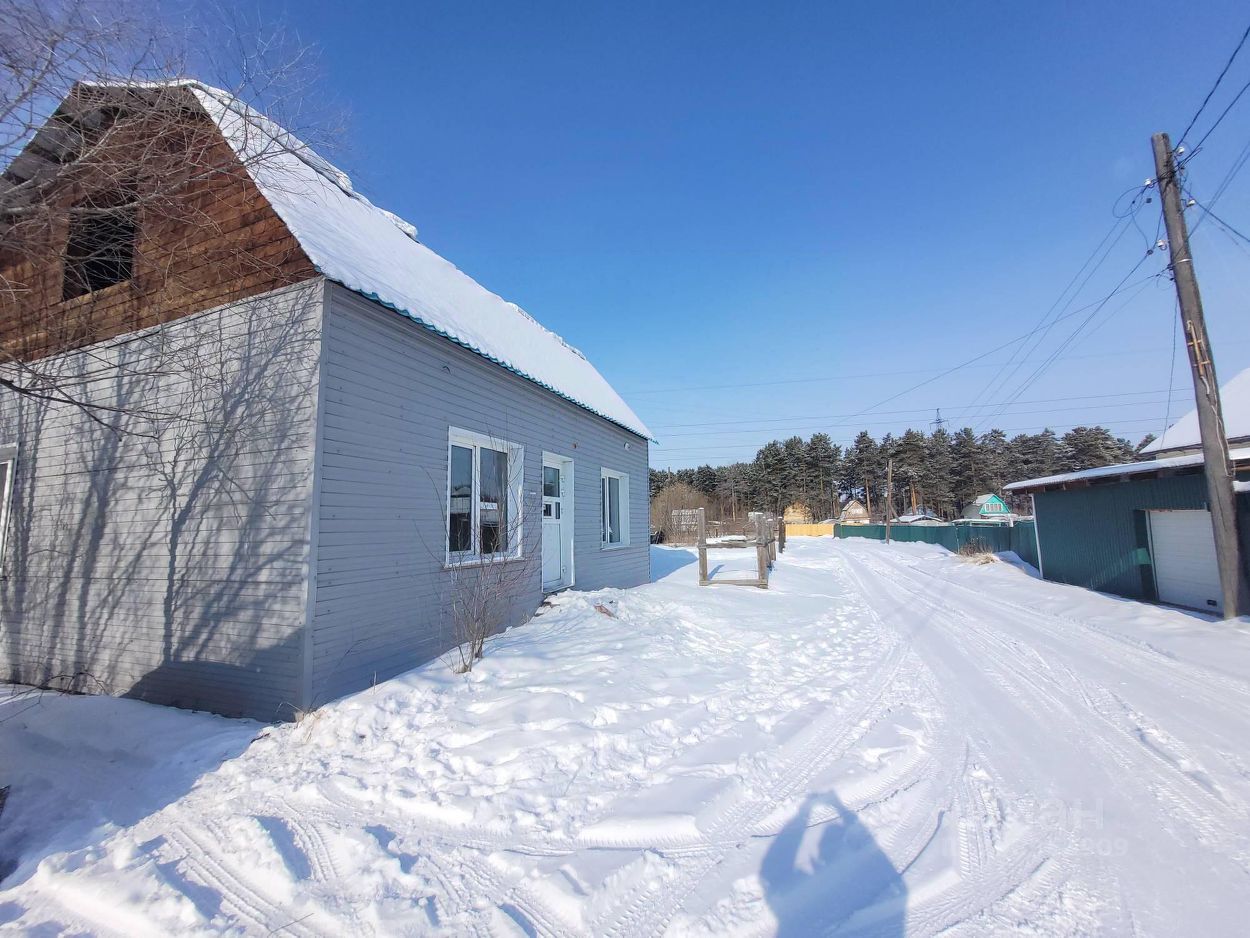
{"type": "Point", "coordinates": [1140, 530]}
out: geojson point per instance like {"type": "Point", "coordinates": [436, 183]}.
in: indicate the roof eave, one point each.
{"type": "Point", "coordinates": [413, 317]}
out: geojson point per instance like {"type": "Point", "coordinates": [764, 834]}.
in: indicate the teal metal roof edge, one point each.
{"type": "Point", "coordinates": [408, 314]}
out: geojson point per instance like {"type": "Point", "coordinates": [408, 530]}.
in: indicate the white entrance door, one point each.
{"type": "Point", "coordinates": [1183, 550]}
{"type": "Point", "coordinates": [557, 522]}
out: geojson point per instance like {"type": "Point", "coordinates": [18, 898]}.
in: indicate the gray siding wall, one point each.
{"type": "Point", "coordinates": [169, 561]}
{"type": "Point", "coordinates": [391, 390]}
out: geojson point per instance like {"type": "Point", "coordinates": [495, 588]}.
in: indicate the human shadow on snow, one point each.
{"type": "Point", "coordinates": [825, 873]}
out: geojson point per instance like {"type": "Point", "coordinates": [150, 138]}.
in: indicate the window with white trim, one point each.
{"type": "Point", "coordinates": [8, 466]}
{"type": "Point", "coordinates": [484, 478]}
{"type": "Point", "coordinates": [615, 504]}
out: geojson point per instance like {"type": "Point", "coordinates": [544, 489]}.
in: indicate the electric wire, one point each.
{"type": "Point", "coordinates": [1176, 328]}
{"type": "Point", "coordinates": [997, 381]}
{"type": "Point", "coordinates": [1217, 219]}
{"type": "Point", "coordinates": [1215, 87]}
{"type": "Point", "coordinates": [799, 426]}
{"type": "Point", "coordinates": [1072, 336]}
{"type": "Point", "coordinates": [1219, 120]}
{"type": "Point", "coordinates": [911, 410]}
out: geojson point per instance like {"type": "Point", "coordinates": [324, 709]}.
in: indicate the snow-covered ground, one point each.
{"type": "Point", "coordinates": [888, 740]}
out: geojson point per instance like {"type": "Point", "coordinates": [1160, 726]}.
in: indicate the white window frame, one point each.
{"type": "Point", "coordinates": [623, 508]}
{"type": "Point", "coordinates": [8, 454]}
{"type": "Point", "coordinates": [470, 439]}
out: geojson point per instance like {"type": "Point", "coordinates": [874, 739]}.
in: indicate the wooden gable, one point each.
{"type": "Point", "coordinates": [151, 171]}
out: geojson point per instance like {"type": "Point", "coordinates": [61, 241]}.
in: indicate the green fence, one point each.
{"type": "Point", "coordinates": [1018, 537]}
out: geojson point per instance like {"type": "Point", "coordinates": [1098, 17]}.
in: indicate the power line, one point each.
{"type": "Point", "coordinates": [998, 348]}
{"type": "Point", "coordinates": [1219, 120]}
{"type": "Point", "coordinates": [872, 374]}
{"type": "Point", "coordinates": [1176, 327]}
{"type": "Point", "coordinates": [1080, 327]}
{"type": "Point", "coordinates": [794, 427]}
{"type": "Point", "coordinates": [1221, 222]}
{"type": "Point", "coordinates": [995, 383]}
{"type": "Point", "coordinates": [1219, 78]}
{"type": "Point", "coordinates": [1047, 324]}
{"type": "Point", "coordinates": [910, 410]}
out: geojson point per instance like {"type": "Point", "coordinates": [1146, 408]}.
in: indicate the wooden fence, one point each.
{"type": "Point", "coordinates": [769, 541]}
{"type": "Point", "coordinates": [809, 530]}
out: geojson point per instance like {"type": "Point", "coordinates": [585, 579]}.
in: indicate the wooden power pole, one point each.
{"type": "Point", "coordinates": [1218, 467]}
{"type": "Point", "coordinates": [889, 496]}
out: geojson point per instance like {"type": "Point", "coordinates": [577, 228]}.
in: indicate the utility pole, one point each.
{"type": "Point", "coordinates": [1217, 466]}
{"type": "Point", "coordinates": [889, 496]}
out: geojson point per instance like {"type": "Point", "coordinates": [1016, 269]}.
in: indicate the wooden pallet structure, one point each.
{"type": "Point", "coordinates": [770, 540]}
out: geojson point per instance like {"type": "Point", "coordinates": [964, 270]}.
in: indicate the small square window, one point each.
{"type": "Point", "coordinates": [101, 246]}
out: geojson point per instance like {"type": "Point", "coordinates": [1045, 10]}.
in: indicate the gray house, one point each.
{"type": "Point", "coordinates": [268, 478]}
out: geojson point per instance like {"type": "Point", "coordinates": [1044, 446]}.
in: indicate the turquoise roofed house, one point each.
{"type": "Point", "coordinates": [987, 508]}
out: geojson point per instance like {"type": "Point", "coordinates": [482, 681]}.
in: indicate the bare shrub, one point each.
{"type": "Point", "coordinates": [977, 551]}
{"type": "Point", "coordinates": [673, 512]}
{"type": "Point", "coordinates": [495, 564]}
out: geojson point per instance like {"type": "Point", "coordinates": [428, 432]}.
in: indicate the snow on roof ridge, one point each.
{"type": "Point", "coordinates": [297, 147]}
{"type": "Point", "coordinates": [377, 254]}
{"type": "Point", "coordinates": [1235, 402]}
{"type": "Point", "coordinates": [555, 335]}
{"type": "Point", "coordinates": [1238, 454]}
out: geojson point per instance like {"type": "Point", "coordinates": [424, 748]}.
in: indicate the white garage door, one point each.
{"type": "Point", "coordinates": [1184, 559]}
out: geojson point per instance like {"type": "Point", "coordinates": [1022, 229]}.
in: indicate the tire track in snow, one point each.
{"type": "Point", "coordinates": [253, 909]}
{"type": "Point", "coordinates": [1069, 686]}
{"type": "Point", "coordinates": [1169, 671]}
{"type": "Point", "coordinates": [1055, 693]}
{"type": "Point", "coordinates": [647, 908]}
{"type": "Point", "coordinates": [986, 874]}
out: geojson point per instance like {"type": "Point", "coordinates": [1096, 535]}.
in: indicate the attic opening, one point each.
{"type": "Point", "coordinates": [101, 247]}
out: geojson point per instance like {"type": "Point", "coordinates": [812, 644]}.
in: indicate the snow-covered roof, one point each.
{"type": "Point", "coordinates": [1239, 455]}
{"type": "Point", "coordinates": [918, 516]}
{"type": "Point", "coordinates": [375, 253]}
{"type": "Point", "coordinates": [1234, 401]}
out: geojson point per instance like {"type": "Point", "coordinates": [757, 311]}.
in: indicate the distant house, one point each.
{"type": "Point", "coordinates": [1143, 530]}
{"type": "Point", "coordinates": [987, 508]}
{"type": "Point", "coordinates": [921, 516]}
{"type": "Point", "coordinates": [797, 514]}
{"type": "Point", "coordinates": [854, 512]}
{"type": "Point", "coordinates": [284, 469]}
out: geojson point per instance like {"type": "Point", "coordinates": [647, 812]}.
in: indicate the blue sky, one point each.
{"type": "Point", "coordinates": [818, 205]}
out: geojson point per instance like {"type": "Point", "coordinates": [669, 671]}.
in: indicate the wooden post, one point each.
{"type": "Point", "coordinates": [761, 552]}
{"type": "Point", "coordinates": [781, 536]}
{"type": "Point", "coordinates": [889, 496]}
{"type": "Point", "coordinates": [1216, 464]}
{"type": "Point", "coordinates": [703, 581]}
